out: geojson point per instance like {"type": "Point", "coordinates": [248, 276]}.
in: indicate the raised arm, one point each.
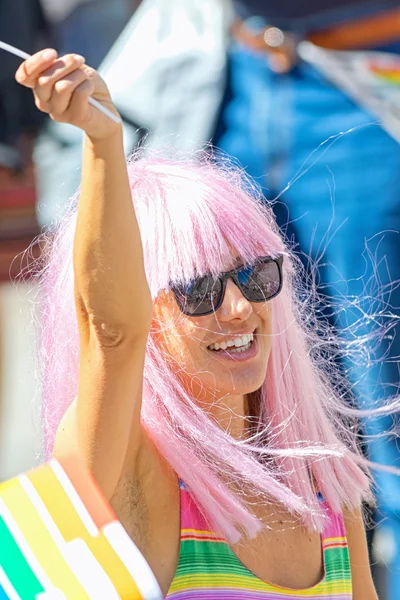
{"type": "Point", "coordinates": [112, 296]}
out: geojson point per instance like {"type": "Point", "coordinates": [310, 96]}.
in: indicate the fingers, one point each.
{"type": "Point", "coordinates": [31, 68]}
{"type": "Point", "coordinates": [60, 69]}
{"type": "Point", "coordinates": [62, 87]}
{"type": "Point", "coordinates": [56, 99]}
{"type": "Point", "coordinates": [43, 73]}
{"type": "Point", "coordinates": [78, 107]}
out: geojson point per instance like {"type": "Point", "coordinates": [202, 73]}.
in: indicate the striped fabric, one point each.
{"type": "Point", "coordinates": [60, 540]}
{"type": "Point", "coordinates": [209, 569]}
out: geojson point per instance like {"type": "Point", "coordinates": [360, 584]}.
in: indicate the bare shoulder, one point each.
{"type": "Point", "coordinates": [363, 586]}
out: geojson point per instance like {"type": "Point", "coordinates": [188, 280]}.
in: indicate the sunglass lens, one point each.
{"type": "Point", "coordinates": [201, 296]}
{"type": "Point", "coordinates": [260, 282]}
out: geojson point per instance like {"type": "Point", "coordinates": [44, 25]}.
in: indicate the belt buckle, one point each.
{"type": "Point", "coordinates": [281, 47]}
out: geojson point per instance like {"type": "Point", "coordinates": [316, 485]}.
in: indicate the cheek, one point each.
{"type": "Point", "coordinates": [264, 313]}
{"type": "Point", "coordinates": [265, 328]}
{"type": "Point", "coordinates": [180, 346]}
{"type": "Point", "coordinates": [180, 337]}
{"type": "Point", "coordinates": [186, 345]}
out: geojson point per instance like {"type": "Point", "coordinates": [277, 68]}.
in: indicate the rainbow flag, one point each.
{"type": "Point", "coordinates": [60, 540]}
{"type": "Point", "coordinates": [370, 78]}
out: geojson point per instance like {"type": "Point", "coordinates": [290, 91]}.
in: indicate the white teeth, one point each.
{"type": "Point", "coordinates": [241, 349]}
{"type": "Point", "coordinates": [237, 344]}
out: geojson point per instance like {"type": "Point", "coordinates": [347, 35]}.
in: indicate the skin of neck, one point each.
{"type": "Point", "coordinates": [230, 413]}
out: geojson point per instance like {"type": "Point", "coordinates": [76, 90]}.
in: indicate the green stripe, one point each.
{"type": "Point", "coordinates": [216, 558]}
{"type": "Point", "coordinates": [16, 567]}
{"type": "Point", "coordinates": [337, 564]}
{"type": "Point", "coordinates": [209, 557]}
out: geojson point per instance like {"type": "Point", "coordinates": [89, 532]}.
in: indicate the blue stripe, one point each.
{"type": "Point", "coordinates": [3, 595]}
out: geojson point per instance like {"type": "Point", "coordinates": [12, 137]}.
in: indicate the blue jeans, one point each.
{"type": "Point", "coordinates": [343, 211]}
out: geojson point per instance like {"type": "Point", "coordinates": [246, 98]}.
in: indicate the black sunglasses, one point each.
{"type": "Point", "coordinates": [258, 282]}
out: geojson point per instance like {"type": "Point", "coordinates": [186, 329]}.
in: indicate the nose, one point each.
{"type": "Point", "coordinates": [234, 305]}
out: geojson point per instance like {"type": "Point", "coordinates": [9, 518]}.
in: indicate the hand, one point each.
{"type": "Point", "coordinates": [62, 88]}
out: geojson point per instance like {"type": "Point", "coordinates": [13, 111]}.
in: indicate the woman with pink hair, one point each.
{"type": "Point", "coordinates": [181, 362]}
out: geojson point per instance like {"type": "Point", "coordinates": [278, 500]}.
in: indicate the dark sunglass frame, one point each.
{"type": "Point", "coordinates": [181, 295]}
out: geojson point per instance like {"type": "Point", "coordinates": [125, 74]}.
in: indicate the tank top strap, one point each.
{"type": "Point", "coordinates": [334, 527]}
{"type": "Point", "coordinates": [192, 519]}
{"type": "Point", "coordinates": [335, 548]}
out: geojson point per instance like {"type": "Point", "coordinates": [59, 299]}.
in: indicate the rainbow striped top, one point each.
{"type": "Point", "coordinates": [209, 569]}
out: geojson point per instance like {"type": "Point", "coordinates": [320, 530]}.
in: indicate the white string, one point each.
{"type": "Point", "coordinates": [92, 101]}
{"type": "Point", "coordinates": [13, 50]}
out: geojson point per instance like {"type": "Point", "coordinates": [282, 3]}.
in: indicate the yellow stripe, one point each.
{"type": "Point", "coordinates": [71, 527]}
{"type": "Point", "coordinates": [40, 541]}
{"type": "Point", "coordinates": [200, 532]}
{"type": "Point", "coordinates": [336, 539]}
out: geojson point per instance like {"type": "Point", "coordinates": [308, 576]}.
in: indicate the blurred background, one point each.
{"type": "Point", "coordinates": [262, 82]}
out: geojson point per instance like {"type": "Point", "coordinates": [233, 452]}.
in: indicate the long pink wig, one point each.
{"type": "Point", "coordinates": [192, 213]}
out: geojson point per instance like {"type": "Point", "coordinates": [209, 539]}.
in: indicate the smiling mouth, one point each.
{"type": "Point", "coordinates": [234, 345]}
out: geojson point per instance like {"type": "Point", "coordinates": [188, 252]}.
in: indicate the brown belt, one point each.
{"type": "Point", "coordinates": [280, 46]}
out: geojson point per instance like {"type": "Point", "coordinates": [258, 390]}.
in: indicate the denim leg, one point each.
{"type": "Point", "coordinates": [247, 129]}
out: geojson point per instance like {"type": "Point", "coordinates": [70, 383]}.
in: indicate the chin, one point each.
{"type": "Point", "coordinates": [239, 388]}
{"type": "Point", "coordinates": [221, 381]}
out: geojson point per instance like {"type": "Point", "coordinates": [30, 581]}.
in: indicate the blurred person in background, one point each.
{"type": "Point", "coordinates": [21, 23]}
{"type": "Point", "coordinates": [188, 73]}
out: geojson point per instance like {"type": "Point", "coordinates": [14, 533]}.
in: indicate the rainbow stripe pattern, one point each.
{"type": "Point", "coordinates": [209, 569]}
{"type": "Point", "coordinates": [387, 73]}
{"type": "Point", "coordinates": [60, 540]}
